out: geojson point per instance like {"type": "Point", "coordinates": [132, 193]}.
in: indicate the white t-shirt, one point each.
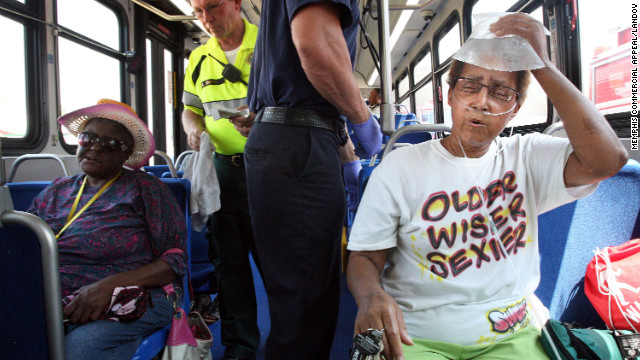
{"type": "Point", "coordinates": [447, 270]}
{"type": "Point", "coordinates": [232, 55]}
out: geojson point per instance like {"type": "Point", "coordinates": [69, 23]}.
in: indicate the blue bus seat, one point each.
{"type": "Point", "coordinates": [414, 138]}
{"type": "Point", "coordinates": [405, 119]}
{"type": "Point", "coordinates": [23, 193]}
{"type": "Point", "coordinates": [167, 174]}
{"type": "Point", "coordinates": [156, 170]}
{"type": "Point", "coordinates": [154, 343]}
{"type": "Point", "coordinates": [411, 138]}
{"type": "Point", "coordinates": [569, 234]}
{"type": "Point", "coordinates": [203, 277]}
{"type": "Point", "coordinates": [28, 329]}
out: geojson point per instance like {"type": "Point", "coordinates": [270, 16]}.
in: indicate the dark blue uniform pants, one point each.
{"type": "Point", "coordinates": [296, 197]}
{"type": "Point", "coordinates": [230, 240]}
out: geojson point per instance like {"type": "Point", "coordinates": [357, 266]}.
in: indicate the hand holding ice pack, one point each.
{"type": "Point", "coordinates": [505, 53]}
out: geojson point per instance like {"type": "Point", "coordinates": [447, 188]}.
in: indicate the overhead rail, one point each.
{"type": "Point", "coordinates": [23, 158]}
{"type": "Point", "coordinates": [396, 7]}
{"type": "Point", "coordinates": [163, 14]}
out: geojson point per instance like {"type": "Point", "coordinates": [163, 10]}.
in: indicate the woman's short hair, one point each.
{"type": "Point", "coordinates": [523, 79]}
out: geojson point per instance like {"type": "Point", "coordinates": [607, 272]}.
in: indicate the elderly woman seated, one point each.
{"type": "Point", "coordinates": [116, 227]}
{"type": "Point", "coordinates": [444, 248]}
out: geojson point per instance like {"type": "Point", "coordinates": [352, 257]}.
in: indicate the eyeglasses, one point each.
{"type": "Point", "coordinates": [501, 97]}
{"type": "Point", "coordinates": [499, 92]}
{"type": "Point", "coordinates": [208, 9]}
{"type": "Point", "coordinates": [88, 139]}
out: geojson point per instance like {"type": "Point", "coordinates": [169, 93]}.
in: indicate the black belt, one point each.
{"type": "Point", "coordinates": [235, 159]}
{"type": "Point", "coordinates": [302, 117]}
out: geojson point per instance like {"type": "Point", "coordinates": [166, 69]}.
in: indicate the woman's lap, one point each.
{"type": "Point", "coordinates": [103, 339]}
{"type": "Point", "coordinates": [525, 344]}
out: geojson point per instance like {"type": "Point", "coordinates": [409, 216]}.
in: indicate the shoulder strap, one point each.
{"type": "Point", "coordinates": [196, 71]}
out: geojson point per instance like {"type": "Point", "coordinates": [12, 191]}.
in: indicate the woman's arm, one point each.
{"type": "Point", "coordinates": [91, 300]}
{"type": "Point", "coordinates": [376, 308]}
{"type": "Point", "coordinates": [597, 151]}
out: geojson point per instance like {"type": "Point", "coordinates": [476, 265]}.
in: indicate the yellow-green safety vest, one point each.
{"type": "Point", "coordinates": [206, 89]}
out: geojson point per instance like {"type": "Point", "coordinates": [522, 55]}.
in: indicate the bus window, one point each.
{"type": "Point", "coordinates": [403, 85]}
{"type": "Point", "coordinates": [445, 99]}
{"type": "Point", "coordinates": [404, 106]}
{"type": "Point", "coordinates": [149, 91]}
{"type": "Point", "coordinates": [424, 94]}
{"type": "Point", "coordinates": [101, 25]}
{"type": "Point", "coordinates": [424, 104]}
{"type": "Point", "coordinates": [605, 51]}
{"type": "Point", "coordinates": [169, 101]}
{"type": "Point", "coordinates": [486, 6]}
{"type": "Point", "coordinates": [77, 61]}
{"type": "Point", "coordinates": [449, 43]}
{"type": "Point", "coordinates": [13, 98]}
{"type": "Point", "coordinates": [422, 68]}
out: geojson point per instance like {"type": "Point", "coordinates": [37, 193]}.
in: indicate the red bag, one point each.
{"type": "Point", "coordinates": [612, 284]}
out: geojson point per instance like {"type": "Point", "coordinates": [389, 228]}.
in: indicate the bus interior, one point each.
{"type": "Point", "coordinates": [65, 54]}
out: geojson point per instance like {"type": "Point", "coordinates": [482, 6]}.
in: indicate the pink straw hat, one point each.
{"type": "Point", "coordinates": [143, 143]}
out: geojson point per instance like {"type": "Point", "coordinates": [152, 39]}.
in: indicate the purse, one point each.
{"type": "Point", "coordinates": [612, 284]}
{"type": "Point", "coordinates": [127, 304]}
{"type": "Point", "coordinates": [189, 337]}
{"type": "Point", "coordinates": [564, 341]}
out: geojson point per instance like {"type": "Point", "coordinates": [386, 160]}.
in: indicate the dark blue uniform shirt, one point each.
{"type": "Point", "coordinates": [277, 77]}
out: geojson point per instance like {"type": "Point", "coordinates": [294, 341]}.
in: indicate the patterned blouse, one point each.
{"type": "Point", "coordinates": [133, 223]}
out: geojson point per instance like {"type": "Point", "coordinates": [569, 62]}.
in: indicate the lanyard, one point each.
{"type": "Point", "coordinates": [71, 218]}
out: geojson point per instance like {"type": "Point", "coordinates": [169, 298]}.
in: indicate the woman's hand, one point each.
{"type": "Point", "coordinates": [89, 302]}
{"type": "Point", "coordinates": [380, 311]}
{"type": "Point", "coordinates": [526, 27]}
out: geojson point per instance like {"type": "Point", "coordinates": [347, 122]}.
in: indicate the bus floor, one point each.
{"type": "Point", "coordinates": [342, 340]}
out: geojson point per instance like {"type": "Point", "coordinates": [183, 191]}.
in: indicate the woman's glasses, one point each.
{"type": "Point", "coordinates": [88, 139]}
{"type": "Point", "coordinates": [503, 98]}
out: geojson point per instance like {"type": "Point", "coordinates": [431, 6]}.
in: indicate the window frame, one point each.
{"type": "Point", "coordinates": [80, 39]}
{"type": "Point", "coordinates": [440, 68]}
{"type": "Point", "coordinates": [37, 132]}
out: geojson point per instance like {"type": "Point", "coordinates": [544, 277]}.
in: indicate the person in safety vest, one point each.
{"type": "Point", "coordinates": [215, 87]}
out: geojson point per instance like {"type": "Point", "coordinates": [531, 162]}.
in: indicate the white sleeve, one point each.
{"type": "Point", "coordinates": [548, 157]}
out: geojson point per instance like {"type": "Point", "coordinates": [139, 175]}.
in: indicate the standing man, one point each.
{"type": "Point", "coordinates": [303, 89]}
{"type": "Point", "coordinates": [216, 81]}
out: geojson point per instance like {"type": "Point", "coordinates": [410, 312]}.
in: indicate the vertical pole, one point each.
{"type": "Point", "coordinates": [387, 112]}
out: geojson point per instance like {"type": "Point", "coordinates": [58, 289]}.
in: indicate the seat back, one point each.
{"type": "Point", "coordinates": [154, 343]}
{"type": "Point", "coordinates": [23, 193]}
{"type": "Point", "coordinates": [569, 234]}
{"type": "Point", "coordinates": [156, 170]}
{"type": "Point", "coordinates": [31, 320]}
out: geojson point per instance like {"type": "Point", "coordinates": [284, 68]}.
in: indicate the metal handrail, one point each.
{"type": "Point", "coordinates": [553, 128]}
{"type": "Point", "coordinates": [23, 158]}
{"type": "Point", "coordinates": [167, 159]}
{"type": "Point", "coordinates": [50, 276]}
{"type": "Point", "coordinates": [183, 155]}
{"type": "Point", "coordinates": [411, 129]}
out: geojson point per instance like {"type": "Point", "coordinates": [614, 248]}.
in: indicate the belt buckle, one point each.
{"type": "Point", "coordinates": [236, 160]}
